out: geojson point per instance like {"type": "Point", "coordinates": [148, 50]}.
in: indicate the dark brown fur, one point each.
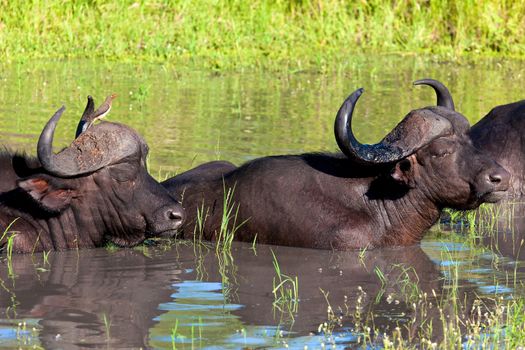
{"type": "Point", "coordinates": [119, 203]}
{"type": "Point", "coordinates": [329, 201]}
{"type": "Point", "coordinates": [501, 134]}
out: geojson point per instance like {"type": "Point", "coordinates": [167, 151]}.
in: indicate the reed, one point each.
{"type": "Point", "coordinates": [9, 243]}
{"type": "Point", "coordinates": [229, 225]}
{"type": "Point", "coordinates": [446, 319]}
{"type": "Point", "coordinates": [285, 291]}
{"type": "Point", "coordinates": [107, 326]}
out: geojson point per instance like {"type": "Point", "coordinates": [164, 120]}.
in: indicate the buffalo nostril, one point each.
{"type": "Point", "coordinates": [175, 215]}
{"type": "Point", "coordinates": [495, 178]}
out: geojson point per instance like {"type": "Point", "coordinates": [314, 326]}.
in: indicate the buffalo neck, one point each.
{"type": "Point", "coordinates": [400, 214]}
{"type": "Point", "coordinates": [404, 220]}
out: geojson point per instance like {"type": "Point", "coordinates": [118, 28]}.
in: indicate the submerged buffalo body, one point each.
{"type": "Point", "coordinates": [385, 194]}
{"type": "Point", "coordinates": [94, 191]}
{"type": "Point", "coordinates": [501, 134]}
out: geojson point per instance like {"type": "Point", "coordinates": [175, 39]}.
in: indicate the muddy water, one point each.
{"type": "Point", "coordinates": [150, 297]}
{"type": "Point", "coordinates": [188, 296]}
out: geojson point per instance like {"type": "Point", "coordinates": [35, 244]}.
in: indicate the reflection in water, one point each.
{"type": "Point", "coordinates": [89, 298]}
{"type": "Point", "coordinates": [153, 298]}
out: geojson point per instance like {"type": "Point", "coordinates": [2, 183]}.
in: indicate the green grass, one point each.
{"type": "Point", "coordinates": [254, 248]}
{"type": "Point", "coordinates": [285, 291]}
{"type": "Point", "coordinates": [6, 231]}
{"type": "Point", "coordinates": [198, 230]}
{"type": "Point", "coordinates": [112, 247]}
{"type": "Point", "coordinates": [332, 321]}
{"type": "Point", "coordinates": [174, 335]}
{"type": "Point", "coordinates": [229, 225]}
{"type": "Point", "coordinates": [177, 337]}
{"type": "Point", "coordinates": [107, 326]}
{"type": "Point", "coordinates": [447, 319]}
{"type": "Point", "coordinates": [273, 34]}
{"type": "Point", "coordinates": [487, 221]}
{"type": "Point", "coordinates": [514, 321]}
{"type": "Point", "coordinates": [9, 247]}
{"type": "Point", "coordinates": [223, 243]}
{"type": "Point", "coordinates": [228, 272]}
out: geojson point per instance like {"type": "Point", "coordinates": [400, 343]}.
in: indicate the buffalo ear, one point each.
{"type": "Point", "coordinates": [47, 192]}
{"type": "Point", "coordinates": [403, 172]}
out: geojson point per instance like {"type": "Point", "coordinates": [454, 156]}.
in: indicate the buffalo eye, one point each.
{"type": "Point", "coordinates": [441, 154]}
{"type": "Point", "coordinates": [442, 148]}
{"type": "Point", "coordinates": [123, 172]}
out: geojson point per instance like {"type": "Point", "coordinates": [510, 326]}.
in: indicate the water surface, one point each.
{"type": "Point", "coordinates": [133, 298]}
{"type": "Point", "coordinates": [191, 117]}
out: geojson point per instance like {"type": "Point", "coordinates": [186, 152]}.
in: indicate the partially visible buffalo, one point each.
{"type": "Point", "coordinates": [501, 134]}
{"type": "Point", "coordinates": [384, 194]}
{"type": "Point", "coordinates": [97, 190]}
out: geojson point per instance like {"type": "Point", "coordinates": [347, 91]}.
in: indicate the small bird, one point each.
{"type": "Point", "coordinates": [82, 124]}
{"type": "Point", "coordinates": [89, 116]}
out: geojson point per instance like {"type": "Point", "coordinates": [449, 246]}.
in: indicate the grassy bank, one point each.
{"type": "Point", "coordinates": [293, 34]}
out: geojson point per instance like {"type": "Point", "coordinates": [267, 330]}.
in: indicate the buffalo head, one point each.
{"type": "Point", "coordinates": [429, 149]}
{"type": "Point", "coordinates": [99, 187]}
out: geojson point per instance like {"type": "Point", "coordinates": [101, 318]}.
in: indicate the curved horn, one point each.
{"type": "Point", "coordinates": [45, 149]}
{"type": "Point", "coordinates": [64, 164]}
{"type": "Point", "coordinates": [444, 98]}
{"type": "Point", "coordinates": [347, 142]}
{"type": "Point", "coordinates": [88, 111]}
{"type": "Point", "coordinates": [416, 130]}
{"type": "Point", "coordinates": [99, 146]}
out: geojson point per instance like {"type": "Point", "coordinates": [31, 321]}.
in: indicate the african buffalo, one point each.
{"type": "Point", "coordinates": [501, 134]}
{"type": "Point", "coordinates": [384, 194]}
{"type": "Point", "coordinates": [94, 191]}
